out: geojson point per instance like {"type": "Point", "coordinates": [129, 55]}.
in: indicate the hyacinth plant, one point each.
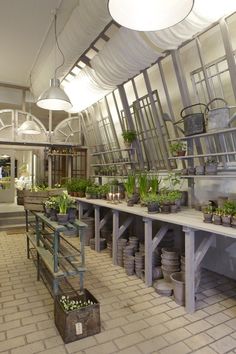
{"type": "Point", "coordinates": [70, 304]}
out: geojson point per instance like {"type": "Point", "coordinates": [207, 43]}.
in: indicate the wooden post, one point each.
{"type": "Point", "coordinates": [148, 250]}
{"type": "Point", "coordinates": [97, 227]}
{"type": "Point", "coordinates": [189, 270]}
{"type": "Point", "coordinates": [115, 235]}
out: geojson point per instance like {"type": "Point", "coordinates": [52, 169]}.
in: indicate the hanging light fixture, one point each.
{"type": "Point", "coordinates": [29, 127]}
{"type": "Point", "coordinates": [149, 15]}
{"type": "Point", "coordinates": [54, 98]}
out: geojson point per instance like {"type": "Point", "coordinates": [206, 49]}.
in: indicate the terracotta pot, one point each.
{"type": "Point", "coordinates": [153, 207]}
{"type": "Point", "coordinates": [233, 221]}
{"type": "Point", "coordinates": [62, 219]}
{"type": "Point", "coordinates": [226, 221]}
{"type": "Point", "coordinates": [217, 219]}
{"type": "Point", "coordinates": [208, 218]}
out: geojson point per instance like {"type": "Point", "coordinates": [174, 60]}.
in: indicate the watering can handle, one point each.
{"type": "Point", "coordinates": [217, 99]}
{"type": "Point", "coordinates": [193, 105]}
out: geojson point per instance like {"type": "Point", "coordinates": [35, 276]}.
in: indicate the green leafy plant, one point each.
{"type": "Point", "coordinates": [64, 202]}
{"type": "Point", "coordinates": [143, 185]}
{"type": "Point", "coordinates": [229, 208]}
{"type": "Point", "coordinates": [173, 196]}
{"type": "Point", "coordinates": [152, 198]}
{"type": "Point", "coordinates": [129, 136]}
{"type": "Point", "coordinates": [208, 209]}
{"type": "Point", "coordinates": [175, 148]}
{"type": "Point", "coordinates": [154, 184]}
{"type": "Point", "coordinates": [130, 185]}
{"type": "Point", "coordinates": [218, 211]}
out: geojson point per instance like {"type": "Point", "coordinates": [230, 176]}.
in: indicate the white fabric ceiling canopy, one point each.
{"type": "Point", "coordinates": [125, 54]}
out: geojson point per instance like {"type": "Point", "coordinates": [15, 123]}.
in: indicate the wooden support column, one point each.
{"type": "Point", "coordinates": [97, 227]}
{"type": "Point", "coordinates": [148, 251]}
{"type": "Point", "coordinates": [189, 269]}
{"type": "Point", "coordinates": [81, 210]}
{"type": "Point", "coordinates": [115, 235]}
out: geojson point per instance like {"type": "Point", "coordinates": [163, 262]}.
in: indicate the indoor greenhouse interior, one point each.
{"type": "Point", "coordinates": [117, 176]}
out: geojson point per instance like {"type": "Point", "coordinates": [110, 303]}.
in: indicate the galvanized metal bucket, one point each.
{"type": "Point", "coordinates": [194, 123]}
{"type": "Point", "coordinates": [219, 117]}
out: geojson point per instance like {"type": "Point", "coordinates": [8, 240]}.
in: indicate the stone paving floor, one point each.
{"type": "Point", "coordinates": [134, 318]}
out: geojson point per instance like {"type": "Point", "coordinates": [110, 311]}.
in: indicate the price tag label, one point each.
{"type": "Point", "coordinates": [78, 328]}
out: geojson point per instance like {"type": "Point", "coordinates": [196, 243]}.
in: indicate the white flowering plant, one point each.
{"type": "Point", "coordinates": [71, 304]}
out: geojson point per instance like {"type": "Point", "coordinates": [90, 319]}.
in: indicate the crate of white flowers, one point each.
{"type": "Point", "coordinates": [77, 316]}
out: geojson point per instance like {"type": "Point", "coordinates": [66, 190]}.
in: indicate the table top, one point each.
{"type": "Point", "coordinates": [187, 217]}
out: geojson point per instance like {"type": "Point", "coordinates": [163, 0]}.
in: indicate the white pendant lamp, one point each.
{"type": "Point", "coordinates": [149, 15]}
{"type": "Point", "coordinates": [29, 127]}
{"type": "Point", "coordinates": [54, 98]}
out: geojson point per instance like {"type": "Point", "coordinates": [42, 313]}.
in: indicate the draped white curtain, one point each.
{"type": "Point", "coordinates": [126, 53]}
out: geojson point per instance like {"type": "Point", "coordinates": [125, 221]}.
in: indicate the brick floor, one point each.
{"type": "Point", "coordinates": [134, 318]}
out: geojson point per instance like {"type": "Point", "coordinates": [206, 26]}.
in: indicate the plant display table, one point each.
{"type": "Point", "coordinates": [56, 258]}
{"type": "Point", "coordinates": [189, 220]}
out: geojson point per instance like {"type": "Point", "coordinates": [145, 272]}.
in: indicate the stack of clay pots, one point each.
{"type": "Point", "coordinates": [139, 263]}
{"type": "Point", "coordinates": [121, 244]}
{"type": "Point", "coordinates": [102, 243]}
{"type": "Point", "coordinates": [134, 242]}
{"type": "Point", "coordinates": [128, 257]}
{"type": "Point", "coordinates": [170, 262]}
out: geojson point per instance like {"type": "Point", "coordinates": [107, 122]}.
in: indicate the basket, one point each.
{"type": "Point", "coordinates": [194, 123]}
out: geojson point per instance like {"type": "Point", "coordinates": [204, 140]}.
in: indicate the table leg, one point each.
{"type": "Point", "coordinates": [189, 269]}
{"type": "Point", "coordinates": [115, 235]}
{"type": "Point", "coordinates": [148, 250]}
{"type": "Point", "coordinates": [97, 227]}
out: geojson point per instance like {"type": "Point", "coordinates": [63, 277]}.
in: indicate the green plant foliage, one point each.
{"type": "Point", "coordinates": [129, 136]}
{"type": "Point", "coordinates": [71, 304]}
{"type": "Point", "coordinates": [130, 184]}
{"type": "Point", "coordinates": [176, 147]}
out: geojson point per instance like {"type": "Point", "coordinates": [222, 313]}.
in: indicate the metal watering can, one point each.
{"type": "Point", "coordinates": [218, 118]}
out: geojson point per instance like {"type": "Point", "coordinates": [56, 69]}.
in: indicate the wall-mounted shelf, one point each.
{"type": "Point", "coordinates": [202, 155]}
{"type": "Point", "coordinates": [113, 163]}
{"type": "Point", "coordinates": [111, 151]}
{"type": "Point", "coordinates": [222, 131]}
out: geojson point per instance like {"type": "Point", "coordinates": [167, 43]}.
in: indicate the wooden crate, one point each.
{"type": "Point", "coordinates": [34, 200]}
{"type": "Point", "coordinates": [80, 323]}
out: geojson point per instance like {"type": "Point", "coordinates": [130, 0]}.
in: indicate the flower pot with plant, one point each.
{"type": "Point", "coordinates": [233, 220]}
{"type": "Point", "coordinates": [217, 216]}
{"type": "Point", "coordinates": [178, 148]}
{"type": "Point", "coordinates": [211, 166]}
{"type": "Point", "coordinates": [77, 316]}
{"type": "Point", "coordinates": [174, 198]}
{"type": "Point", "coordinates": [208, 213]}
{"type": "Point", "coordinates": [129, 136]}
{"type": "Point", "coordinates": [64, 202]}
{"type": "Point", "coordinates": [228, 211]}
{"type": "Point", "coordinates": [130, 188]}
{"type": "Point", "coordinates": [143, 187]}
{"type": "Point", "coordinates": [152, 201]}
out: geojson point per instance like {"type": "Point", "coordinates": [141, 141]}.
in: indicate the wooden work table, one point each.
{"type": "Point", "coordinates": [189, 220]}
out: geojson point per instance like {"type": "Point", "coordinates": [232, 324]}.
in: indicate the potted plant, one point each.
{"type": "Point", "coordinates": [233, 220]}
{"type": "Point", "coordinates": [211, 166]}
{"type": "Point", "coordinates": [178, 148]}
{"type": "Point", "coordinates": [130, 185]}
{"type": "Point", "coordinates": [165, 202]}
{"type": "Point", "coordinates": [143, 186]}
{"type": "Point", "coordinates": [129, 136]}
{"type": "Point", "coordinates": [77, 316]}
{"type": "Point", "coordinates": [217, 216]}
{"type": "Point", "coordinates": [208, 213]}
{"type": "Point", "coordinates": [154, 184]}
{"type": "Point", "coordinates": [63, 202]}
{"type": "Point", "coordinates": [152, 201]}
{"type": "Point", "coordinates": [174, 198]}
{"type": "Point", "coordinates": [228, 210]}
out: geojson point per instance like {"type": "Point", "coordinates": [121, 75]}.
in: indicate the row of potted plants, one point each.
{"type": "Point", "coordinates": [225, 216]}
{"type": "Point", "coordinates": [76, 187]}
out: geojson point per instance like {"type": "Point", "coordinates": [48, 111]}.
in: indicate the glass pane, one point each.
{"type": "Point", "coordinates": [5, 172]}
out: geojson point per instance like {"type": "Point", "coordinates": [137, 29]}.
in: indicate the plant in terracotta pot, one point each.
{"type": "Point", "coordinates": [217, 216]}
{"type": "Point", "coordinates": [152, 201]}
{"type": "Point", "coordinates": [208, 213]}
{"type": "Point", "coordinates": [228, 210]}
{"type": "Point", "coordinates": [233, 220]}
{"type": "Point", "coordinates": [143, 186]}
{"type": "Point", "coordinates": [165, 202]}
{"type": "Point", "coordinates": [129, 136]}
{"type": "Point", "coordinates": [178, 148]}
{"type": "Point", "coordinates": [130, 187]}
{"type": "Point", "coordinates": [63, 201]}
{"type": "Point", "coordinates": [174, 198]}
{"type": "Point", "coordinates": [211, 166]}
